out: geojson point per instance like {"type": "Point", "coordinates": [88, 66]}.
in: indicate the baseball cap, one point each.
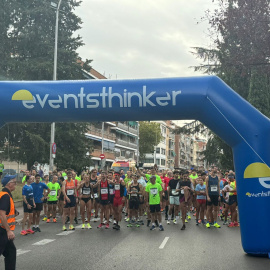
{"type": "Point", "coordinates": [7, 178]}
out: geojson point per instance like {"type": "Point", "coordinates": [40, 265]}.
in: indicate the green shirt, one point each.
{"type": "Point", "coordinates": [127, 180]}
{"type": "Point", "coordinates": [1, 167]}
{"type": "Point", "coordinates": [193, 176]}
{"type": "Point", "coordinates": [153, 191]}
{"type": "Point", "coordinates": [158, 179]}
{"type": "Point", "coordinates": [52, 196]}
{"type": "Point", "coordinates": [24, 178]}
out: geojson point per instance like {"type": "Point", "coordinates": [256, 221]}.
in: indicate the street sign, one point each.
{"type": "Point", "coordinates": [102, 156]}
{"type": "Point", "coordinates": [54, 148]}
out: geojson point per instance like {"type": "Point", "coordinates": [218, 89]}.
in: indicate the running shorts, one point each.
{"type": "Point", "coordinates": [154, 208]}
{"type": "Point", "coordinates": [214, 200]}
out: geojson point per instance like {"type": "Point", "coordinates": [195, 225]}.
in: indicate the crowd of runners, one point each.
{"type": "Point", "coordinates": [139, 197]}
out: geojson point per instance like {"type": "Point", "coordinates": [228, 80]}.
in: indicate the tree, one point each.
{"type": "Point", "coordinates": [240, 54]}
{"type": "Point", "coordinates": [26, 49]}
{"type": "Point", "coordinates": [150, 136]}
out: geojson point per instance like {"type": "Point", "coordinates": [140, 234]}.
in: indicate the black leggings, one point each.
{"type": "Point", "coordinates": [8, 250]}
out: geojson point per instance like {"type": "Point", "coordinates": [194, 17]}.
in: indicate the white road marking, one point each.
{"type": "Point", "coordinates": [21, 251]}
{"type": "Point", "coordinates": [65, 233]}
{"type": "Point", "coordinates": [79, 226]}
{"type": "Point", "coordinates": [43, 242]}
{"type": "Point", "coordinates": [164, 242]}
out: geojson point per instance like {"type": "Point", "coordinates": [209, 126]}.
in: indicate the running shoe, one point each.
{"type": "Point", "coordinates": [225, 222]}
{"type": "Point", "coordinates": [107, 226]}
{"type": "Point", "coordinates": [34, 229]}
{"type": "Point", "coordinates": [127, 220]}
{"type": "Point", "coordinates": [161, 228]}
{"type": "Point", "coordinates": [231, 225]}
{"type": "Point", "coordinates": [24, 232]}
{"type": "Point", "coordinates": [37, 229]}
{"type": "Point", "coordinates": [89, 226]}
{"type": "Point", "coordinates": [145, 213]}
{"type": "Point", "coordinates": [110, 220]}
{"type": "Point", "coordinates": [216, 225]}
{"type": "Point", "coordinates": [138, 225]}
{"type": "Point", "coordinates": [175, 221]}
{"type": "Point", "coordinates": [200, 221]}
{"type": "Point", "coordinates": [44, 219]}
{"type": "Point", "coordinates": [54, 220]}
{"type": "Point", "coordinates": [194, 215]}
{"type": "Point", "coordinates": [129, 225]}
{"type": "Point", "coordinates": [48, 220]}
{"type": "Point", "coordinates": [153, 227]}
{"type": "Point", "coordinates": [236, 224]}
{"type": "Point", "coordinates": [168, 222]}
{"type": "Point", "coordinates": [208, 225]}
{"type": "Point", "coordinates": [197, 222]}
{"type": "Point", "coordinates": [29, 231]}
{"type": "Point", "coordinates": [161, 210]}
{"type": "Point", "coordinates": [183, 227]}
{"type": "Point", "coordinates": [71, 227]}
{"type": "Point", "coordinates": [83, 226]}
{"type": "Point", "coordinates": [189, 217]}
{"type": "Point", "coordinates": [186, 221]}
{"type": "Point", "coordinates": [100, 226]}
{"type": "Point", "coordinates": [64, 228]}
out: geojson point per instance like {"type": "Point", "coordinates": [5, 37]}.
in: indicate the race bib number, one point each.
{"type": "Point", "coordinates": [214, 188]}
{"type": "Point", "coordinates": [111, 191]}
{"type": "Point", "coordinates": [95, 195]}
{"type": "Point", "coordinates": [174, 192]}
{"type": "Point", "coordinates": [154, 191]}
{"type": "Point", "coordinates": [65, 177]}
{"type": "Point", "coordinates": [104, 191]}
{"type": "Point", "coordinates": [53, 193]}
{"type": "Point", "coordinates": [117, 187]}
{"type": "Point", "coordinates": [182, 191]}
{"type": "Point", "coordinates": [86, 191]}
{"type": "Point", "coordinates": [70, 192]}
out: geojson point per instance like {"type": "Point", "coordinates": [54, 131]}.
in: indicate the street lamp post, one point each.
{"type": "Point", "coordinates": [54, 78]}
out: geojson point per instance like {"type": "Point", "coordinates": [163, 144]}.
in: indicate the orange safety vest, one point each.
{"type": "Point", "coordinates": [11, 216]}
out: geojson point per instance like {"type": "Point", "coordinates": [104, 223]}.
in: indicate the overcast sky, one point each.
{"type": "Point", "coordinates": [143, 38]}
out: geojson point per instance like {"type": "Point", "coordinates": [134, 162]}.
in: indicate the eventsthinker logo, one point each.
{"type": "Point", "coordinates": [260, 194]}
{"type": "Point", "coordinates": [105, 99]}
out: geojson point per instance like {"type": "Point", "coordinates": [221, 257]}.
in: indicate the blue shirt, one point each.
{"type": "Point", "coordinates": [38, 191]}
{"type": "Point", "coordinates": [221, 185]}
{"type": "Point", "coordinates": [200, 188]}
{"type": "Point", "coordinates": [27, 191]}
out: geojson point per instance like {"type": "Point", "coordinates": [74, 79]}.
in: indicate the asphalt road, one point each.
{"type": "Point", "coordinates": [139, 248]}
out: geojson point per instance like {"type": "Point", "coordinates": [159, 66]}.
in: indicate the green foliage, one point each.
{"type": "Point", "coordinates": [240, 56]}
{"type": "Point", "coordinates": [27, 50]}
{"type": "Point", "coordinates": [150, 136]}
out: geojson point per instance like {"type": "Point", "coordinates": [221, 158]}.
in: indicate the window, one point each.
{"type": "Point", "coordinates": [158, 161]}
{"type": "Point", "coordinates": [123, 152]}
{"type": "Point", "coordinates": [163, 151]}
{"type": "Point", "coordinates": [158, 150]}
{"type": "Point", "coordinates": [148, 160]}
{"type": "Point", "coordinates": [163, 162]}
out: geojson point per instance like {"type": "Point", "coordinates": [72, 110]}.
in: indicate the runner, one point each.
{"type": "Point", "coordinates": [200, 191]}
{"type": "Point", "coordinates": [38, 191]}
{"type": "Point", "coordinates": [94, 198]}
{"type": "Point", "coordinates": [53, 197]}
{"type": "Point", "coordinates": [153, 195]}
{"type": "Point", "coordinates": [111, 196]}
{"type": "Point", "coordinates": [28, 205]}
{"type": "Point", "coordinates": [173, 197]}
{"type": "Point", "coordinates": [45, 205]}
{"type": "Point", "coordinates": [103, 191]}
{"type": "Point", "coordinates": [213, 198]}
{"type": "Point", "coordinates": [85, 196]}
{"type": "Point", "coordinates": [61, 196]}
{"type": "Point", "coordinates": [233, 201]}
{"type": "Point", "coordinates": [165, 178]}
{"type": "Point", "coordinates": [119, 189]}
{"type": "Point", "coordinates": [70, 198]}
{"type": "Point", "coordinates": [185, 188]}
{"type": "Point", "coordinates": [134, 190]}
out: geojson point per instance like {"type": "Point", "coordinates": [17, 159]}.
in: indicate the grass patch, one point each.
{"type": "Point", "coordinates": [17, 193]}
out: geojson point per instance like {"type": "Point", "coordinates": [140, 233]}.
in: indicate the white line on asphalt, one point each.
{"type": "Point", "coordinates": [65, 233]}
{"type": "Point", "coordinates": [21, 251]}
{"type": "Point", "coordinates": [164, 243]}
{"type": "Point", "coordinates": [43, 242]}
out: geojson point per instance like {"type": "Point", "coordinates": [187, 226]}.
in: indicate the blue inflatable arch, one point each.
{"type": "Point", "coordinates": [207, 99]}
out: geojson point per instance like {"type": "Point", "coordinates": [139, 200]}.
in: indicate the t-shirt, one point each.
{"type": "Point", "coordinates": [142, 182]}
{"type": "Point", "coordinates": [183, 183]}
{"type": "Point", "coordinates": [172, 184]}
{"type": "Point", "coordinates": [158, 179]}
{"type": "Point", "coordinates": [166, 181]}
{"type": "Point", "coordinates": [201, 188]}
{"type": "Point", "coordinates": [153, 191]}
{"type": "Point", "coordinates": [38, 191]}
{"type": "Point", "coordinates": [1, 167]}
{"type": "Point", "coordinates": [52, 196]}
{"type": "Point", "coordinates": [27, 191]}
{"type": "Point", "coordinates": [24, 179]}
{"type": "Point", "coordinates": [126, 179]}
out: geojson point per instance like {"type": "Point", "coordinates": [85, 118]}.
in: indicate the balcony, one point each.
{"type": "Point", "coordinates": [127, 128]}
{"type": "Point", "coordinates": [127, 144]}
{"type": "Point", "coordinates": [98, 132]}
